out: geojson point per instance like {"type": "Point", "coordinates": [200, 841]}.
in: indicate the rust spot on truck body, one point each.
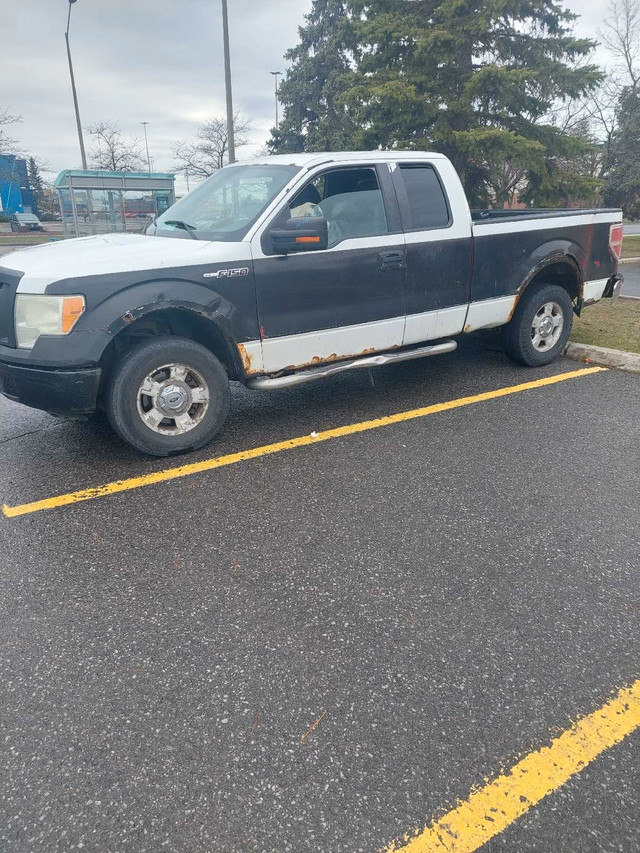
{"type": "Point", "coordinates": [317, 360]}
{"type": "Point", "coordinates": [247, 360]}
{"type": "Point", "coordinates": [515, 303]}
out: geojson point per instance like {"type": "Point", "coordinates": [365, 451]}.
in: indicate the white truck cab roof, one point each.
{"type": "Point", "coordinates": [319, 157]}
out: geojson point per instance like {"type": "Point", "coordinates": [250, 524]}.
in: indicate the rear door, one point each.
{"type": "Point", "coordinates": [343, 301]}
{"type": "Point", "coordinates": [439, 249]}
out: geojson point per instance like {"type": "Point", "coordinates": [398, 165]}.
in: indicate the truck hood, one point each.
{"type": "Point", "coordinates": [113, 253]}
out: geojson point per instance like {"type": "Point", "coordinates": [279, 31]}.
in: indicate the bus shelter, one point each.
{"type": "Point", "coordinates": [93, 202]}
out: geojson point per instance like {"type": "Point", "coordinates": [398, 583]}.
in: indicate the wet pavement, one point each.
{"type": "Point", "coordinates": [323, 649]}
{"type": "Point", "coordinates": [631, 286]}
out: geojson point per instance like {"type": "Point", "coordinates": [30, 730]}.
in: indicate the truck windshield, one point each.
{"type": "Point", "coordinates": [226, 205]}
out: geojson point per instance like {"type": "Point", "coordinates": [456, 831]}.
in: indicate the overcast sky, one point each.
{"type": "Point", "coordinates": [151, 60]}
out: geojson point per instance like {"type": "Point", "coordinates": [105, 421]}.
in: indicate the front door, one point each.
{"type": "Point", "coordinates": [343, 301]}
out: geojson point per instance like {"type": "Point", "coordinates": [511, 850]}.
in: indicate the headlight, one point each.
{"type": "Point", "coordinates": [45, 315]}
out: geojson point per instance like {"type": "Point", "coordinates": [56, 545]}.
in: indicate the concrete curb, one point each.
{"type": "Point", "coordinates": [603, 355]}
{"type": "Point", "coordinates": [629, 261]}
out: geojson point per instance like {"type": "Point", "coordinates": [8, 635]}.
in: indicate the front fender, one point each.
{"type": "Point", "coordinates": [232, 306]}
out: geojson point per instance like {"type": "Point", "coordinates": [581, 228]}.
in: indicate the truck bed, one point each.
{"type": "Point", "coordinates": [513, 245]}
{"type": "Point", "coordinates": [535, 213]}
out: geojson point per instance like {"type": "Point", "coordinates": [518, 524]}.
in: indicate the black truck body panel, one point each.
{"type": "Point", "coordinates": [73, 393]}
{"type": "Point", "coordinates": [504, 262]}
{"type": "Point", "coordinates": [112, 296]}
{"type": "Point", "coordinates": [348, 288]}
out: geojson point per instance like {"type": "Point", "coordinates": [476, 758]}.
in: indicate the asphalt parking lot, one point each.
{"type": "Point", "coordinates": [631, 284]}
{"type": "Point", "coordinates": [324, 648]}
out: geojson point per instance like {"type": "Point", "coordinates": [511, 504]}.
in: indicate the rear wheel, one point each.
{"type": "Point", "coordinates": [168, 396]}
{"type": "Point", "coordinates": [540, 326]}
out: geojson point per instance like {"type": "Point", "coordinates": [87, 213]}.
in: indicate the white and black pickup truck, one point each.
{"type": "Point", "coordinates": [282, 270]}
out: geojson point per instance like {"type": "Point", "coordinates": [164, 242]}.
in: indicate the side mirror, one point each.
{"type": "Point", "coordinates": [302, 234]}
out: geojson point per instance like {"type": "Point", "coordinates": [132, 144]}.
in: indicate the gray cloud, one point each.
{"type": "Point", "coordinates": [151, 60]}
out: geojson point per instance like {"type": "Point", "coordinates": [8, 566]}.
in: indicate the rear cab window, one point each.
{"type": "Point", "coordinates": [422, 197]}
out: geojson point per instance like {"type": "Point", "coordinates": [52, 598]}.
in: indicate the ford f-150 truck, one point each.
{"type": "Point", "coordinates": [282, 270]}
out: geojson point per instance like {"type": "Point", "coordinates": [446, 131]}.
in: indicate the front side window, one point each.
{"type": "Point", "coordinates": [226, 205]}
{"type": "Point", "coordinates": [349, 199]}
{"type": "Point", "coordinates": [427, 202]}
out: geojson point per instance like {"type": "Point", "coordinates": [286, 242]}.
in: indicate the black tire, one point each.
{"type": "Point", "coordinates": [517, 334]}
{"type": "Point", "coordinates": [122, 397]}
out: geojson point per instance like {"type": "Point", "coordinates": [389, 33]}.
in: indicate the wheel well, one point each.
{"type": "Point", "coordinates": [563, 273]}
{"type": "Point", "coordinates": [171, 321]}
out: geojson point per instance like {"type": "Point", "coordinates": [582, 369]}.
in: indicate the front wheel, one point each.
{"type": "Point", "coordinates": [168, 396]}
{"type": "Point", "coordinates": [540, 326]}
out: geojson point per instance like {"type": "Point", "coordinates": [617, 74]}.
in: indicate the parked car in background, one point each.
{"type": "Point", "coordinates": [25, 222]}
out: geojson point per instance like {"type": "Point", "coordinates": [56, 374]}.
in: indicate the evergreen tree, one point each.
{"type": "Point", "coordinates": [474, 79]}
{"type": "Point", "coordinates": [623, 172]}
{"type": "Point", "coordinates": [471, 78]}
{"type": "Point", "coordinates": [316, 118]}
{"type": "Point", "coordinates": [37, 186]}
{"type": "Point", "coordinates": [573, 179]}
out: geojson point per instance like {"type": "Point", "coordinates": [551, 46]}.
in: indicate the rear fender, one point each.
{"type": "Point", "coordinates": [564, 262]}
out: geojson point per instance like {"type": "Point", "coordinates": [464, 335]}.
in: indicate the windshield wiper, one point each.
{"type": "Point", "coordinates": [179, 223]}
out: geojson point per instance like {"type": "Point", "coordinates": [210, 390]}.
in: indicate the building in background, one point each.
{"type": "Point", "coordinates": [15, 192]}
{"type": "Point", "coordinates": [93, 202]}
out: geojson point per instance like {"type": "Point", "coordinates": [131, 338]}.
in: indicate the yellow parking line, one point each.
{"type": "Point", "coordinates": [289, 444]}
{"type": "Point", "coordinates": [491, 809]}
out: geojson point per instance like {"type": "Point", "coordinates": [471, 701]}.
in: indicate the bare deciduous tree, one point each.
{"type": "Point", "coordinates": [208, 152]}
{"type": "Point", "coordinates": [621, 35]}
{"type": "Point", "coordinates": [8, 145]}
{"type": "Point", "coordinates": [113, 151]}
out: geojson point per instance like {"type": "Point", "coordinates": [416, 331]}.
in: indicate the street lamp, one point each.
{"type": "Point", "coordinates": [73, 89]}
{"type": "Point", "coordinates": [146, 142]}
{"type": "Point", "coordinates": [227, 83]}
{"type": "Point", "coordinates": [276, 74]}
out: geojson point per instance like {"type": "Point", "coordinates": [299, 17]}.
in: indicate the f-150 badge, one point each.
{"type": "Point", "coordinates": [234, 273]}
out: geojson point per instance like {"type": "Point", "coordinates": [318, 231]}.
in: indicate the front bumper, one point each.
{"type": "Point", "coordinates": [72, 393]}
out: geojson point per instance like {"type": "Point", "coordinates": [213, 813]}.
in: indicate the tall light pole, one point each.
{"type": "Point", "coordinates": [227, 83]}
{"type": "Point", "coordinates": [73, 89]}
{"type": "Point", "coordinates": [276, 74]}
{"type": "Point", "coordinates": [146, 142]}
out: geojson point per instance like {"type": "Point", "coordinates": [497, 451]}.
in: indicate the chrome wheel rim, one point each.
{"type": "Point", "coordinates": [547, 326]}
{"type": "Point", "coordinates": [173, 399]}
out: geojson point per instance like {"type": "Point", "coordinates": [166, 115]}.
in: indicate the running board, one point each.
{"type": "Point", "coordinates": [267, 383]}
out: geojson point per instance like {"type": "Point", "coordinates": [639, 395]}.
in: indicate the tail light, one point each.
{"type": "Point", "coordinates": [615, 240]}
